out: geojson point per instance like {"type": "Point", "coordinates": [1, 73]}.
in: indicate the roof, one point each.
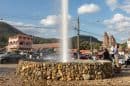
{"type": "Point", "coordinates": [81, 51]}
{"type": "Point", "coordinates": [46, 45]}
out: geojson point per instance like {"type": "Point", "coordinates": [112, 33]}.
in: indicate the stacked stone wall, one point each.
{"type": "Point", "coordinates": [77, 70]}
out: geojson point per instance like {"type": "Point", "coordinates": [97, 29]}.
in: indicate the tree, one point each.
{"type": "Point", "coordinates": [124, 46]}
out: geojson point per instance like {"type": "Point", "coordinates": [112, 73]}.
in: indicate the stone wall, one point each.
{"type": "Point", "coordinates": [76, 70]}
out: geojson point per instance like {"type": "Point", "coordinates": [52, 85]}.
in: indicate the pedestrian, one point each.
{"type": "Point", "coordinates": [116, 55]}
{"type": "Point", "coordinates": [30, 56]}
{"type": "Point", "coordinates": [112, 53]}
{"type": "Point", "coordinates": [126, 58]}
{"type": "Point", "coordinates": [106, 55]}
{"type": "Point", "coordinates": [117, 67]}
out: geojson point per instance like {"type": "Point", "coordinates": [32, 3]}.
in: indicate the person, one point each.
{"type": "Point", "coordinates": [126, 58]}
{"type": "Point", "coordinates": [106, 55]}
{"type": "Point", "coordinates": [30, 56]}
{"type": "Point", "coordinates": [75, 55]}
{"type": "Point", "coordinates": [116, 56]}
{"type": "Point", "coordinates": [112, 52]}
{"type": "Point", "coordinates": [117, 68]}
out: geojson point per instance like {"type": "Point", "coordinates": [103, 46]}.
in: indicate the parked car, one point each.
{"type": "Point", "coordinates": [11, 57]}
{"type": "Point", "coordinates": [128, 61]}
{"type": "Point", "coordinates": [83, 56]}
{"type": "Point", "coordinates": [122, 59]}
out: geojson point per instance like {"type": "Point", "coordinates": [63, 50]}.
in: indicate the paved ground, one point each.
{"type": "Point", "coordinates": [7, 75]}
{"type": "Point", "coordinates": [8, 78]}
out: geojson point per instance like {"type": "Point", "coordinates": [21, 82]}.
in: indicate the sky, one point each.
{"type": "Point", "coordinates": [42, 17]}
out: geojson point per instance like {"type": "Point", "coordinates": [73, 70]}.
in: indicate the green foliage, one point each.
{"type": "Point", "coordinates": [38, 40]}
{"type": "Point", "coordinates": [85, 42]}
{"type": "Point", "coordinates": [4, 39]}
{"type": "Point", "coordinates": [124, 46]}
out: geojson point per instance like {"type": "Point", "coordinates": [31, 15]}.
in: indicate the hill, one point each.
{"type": "Point", "coordinates": [86, 38]}
{"type": "Point", "coordinates": [39, 40]}
{"type": "Point", "coordinates": [85, 42]}
{"type": "Point", "coordinates": [7, 30]}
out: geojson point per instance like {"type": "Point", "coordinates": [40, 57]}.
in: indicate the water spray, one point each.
{"type": "Point", "coordinates": [64, 33]}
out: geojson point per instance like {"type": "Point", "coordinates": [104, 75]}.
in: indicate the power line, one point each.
{"type": "Point", "coordinates": [24, 26]}
{"type": "Point", "coordinates": [28, 26]}
{"type": "Point", "coordinates": [24, 17]}
{"type": "Point", "coordinates": [91, 33]}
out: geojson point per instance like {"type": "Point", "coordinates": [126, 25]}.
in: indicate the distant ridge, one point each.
{"type": "Point", "coordinates": [7, 30]}
{"type": "Point", "coordinates": [85, 42]}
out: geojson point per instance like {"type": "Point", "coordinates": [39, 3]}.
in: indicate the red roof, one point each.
{"type": "Point", "coordinates": [46, 45]}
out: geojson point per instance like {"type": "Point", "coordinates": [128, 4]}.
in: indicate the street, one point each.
{"type": "Point", "coordinates": [6, 69]}
{"type": "Point", "coordinates": [7, 75]}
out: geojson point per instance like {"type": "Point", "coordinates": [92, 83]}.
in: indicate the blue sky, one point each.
{"type": "Point", "coordinates": [96, 16]}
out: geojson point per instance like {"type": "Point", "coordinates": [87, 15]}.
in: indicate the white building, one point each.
{"type": "Point", "coordinates": [19, 42]}
{"type": "Point", "coordinates": [128, 43]}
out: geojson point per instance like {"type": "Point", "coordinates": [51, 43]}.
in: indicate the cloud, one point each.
{"type": "Point", "coordinates": [43, 29]}
{"type": "Point", "coordinates": [112, 4]}
{"type": "Point", "coordinates": [50, 20]}
{"type": "Point", "coordinates": [88, 8]}
{"type": "Point", "coordinates": [18, 24]}
{"type": "Point", "coordinates": [12, 22]}
{"type": "Point", "coordinates": [125, 6]}
{"type": "Point", "coordinates": [32, 29]}
{"type": "Point", "coordinates": [118, 23]}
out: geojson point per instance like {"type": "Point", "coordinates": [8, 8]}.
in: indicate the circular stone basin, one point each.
{"type": "Point", "coordinates": [74, 70]}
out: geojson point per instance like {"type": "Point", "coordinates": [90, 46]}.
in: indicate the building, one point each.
{"type": "Point", "coordinates": [56, 48]}
{"type": "Point", "coordinates": [19, 43]}
{"type": "Point", "coordinates": [112, 40]}
{"type": "Point", "coordinates": [41, 47]}
{"type": "Point", "coordinates": [108, 41]}
{"type": "Point", "coordinates": [128, 43]}
{"type": "Point", "coordinates": [105, 40]}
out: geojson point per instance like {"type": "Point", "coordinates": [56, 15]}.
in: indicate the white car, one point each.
{"type": "Point", "coordinates": [122, 59]}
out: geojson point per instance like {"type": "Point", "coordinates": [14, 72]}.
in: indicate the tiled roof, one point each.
{"type": "Point", "coordinates": [46, 45]}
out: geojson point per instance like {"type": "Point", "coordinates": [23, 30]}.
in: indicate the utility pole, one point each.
{"type": "Point", "coordinates": [91, 48]}
{"type": "Point", "coordinates": [78, 38]}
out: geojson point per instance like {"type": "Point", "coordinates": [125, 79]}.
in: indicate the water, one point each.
{"type": "Point", "coordinates": [64, 31]}
{"type": "Point", "coordinates": [64, 51]}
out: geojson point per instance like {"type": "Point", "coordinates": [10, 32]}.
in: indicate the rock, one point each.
{"type": "Point", "coordinates": [99, 73]}
{"type": "Point", "coordinates": [31, 70]}
{"type": "Point", "coordinates": [86, 77]}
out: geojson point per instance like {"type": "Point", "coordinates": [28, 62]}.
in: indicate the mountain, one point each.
{"type": "Point", "coordinates": [87, 38]}
{"type": "Point", "coordinates": [86, 42]}
{"type": "Point", "coordinates": [7, 30]}
{"type": "Point", "coordinates": [39, 40]}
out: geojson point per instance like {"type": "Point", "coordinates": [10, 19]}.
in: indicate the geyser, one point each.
{"type": "Point", "coordinates": [38, 73]}
{"type": "Point", "coordinates": [64, 31]}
